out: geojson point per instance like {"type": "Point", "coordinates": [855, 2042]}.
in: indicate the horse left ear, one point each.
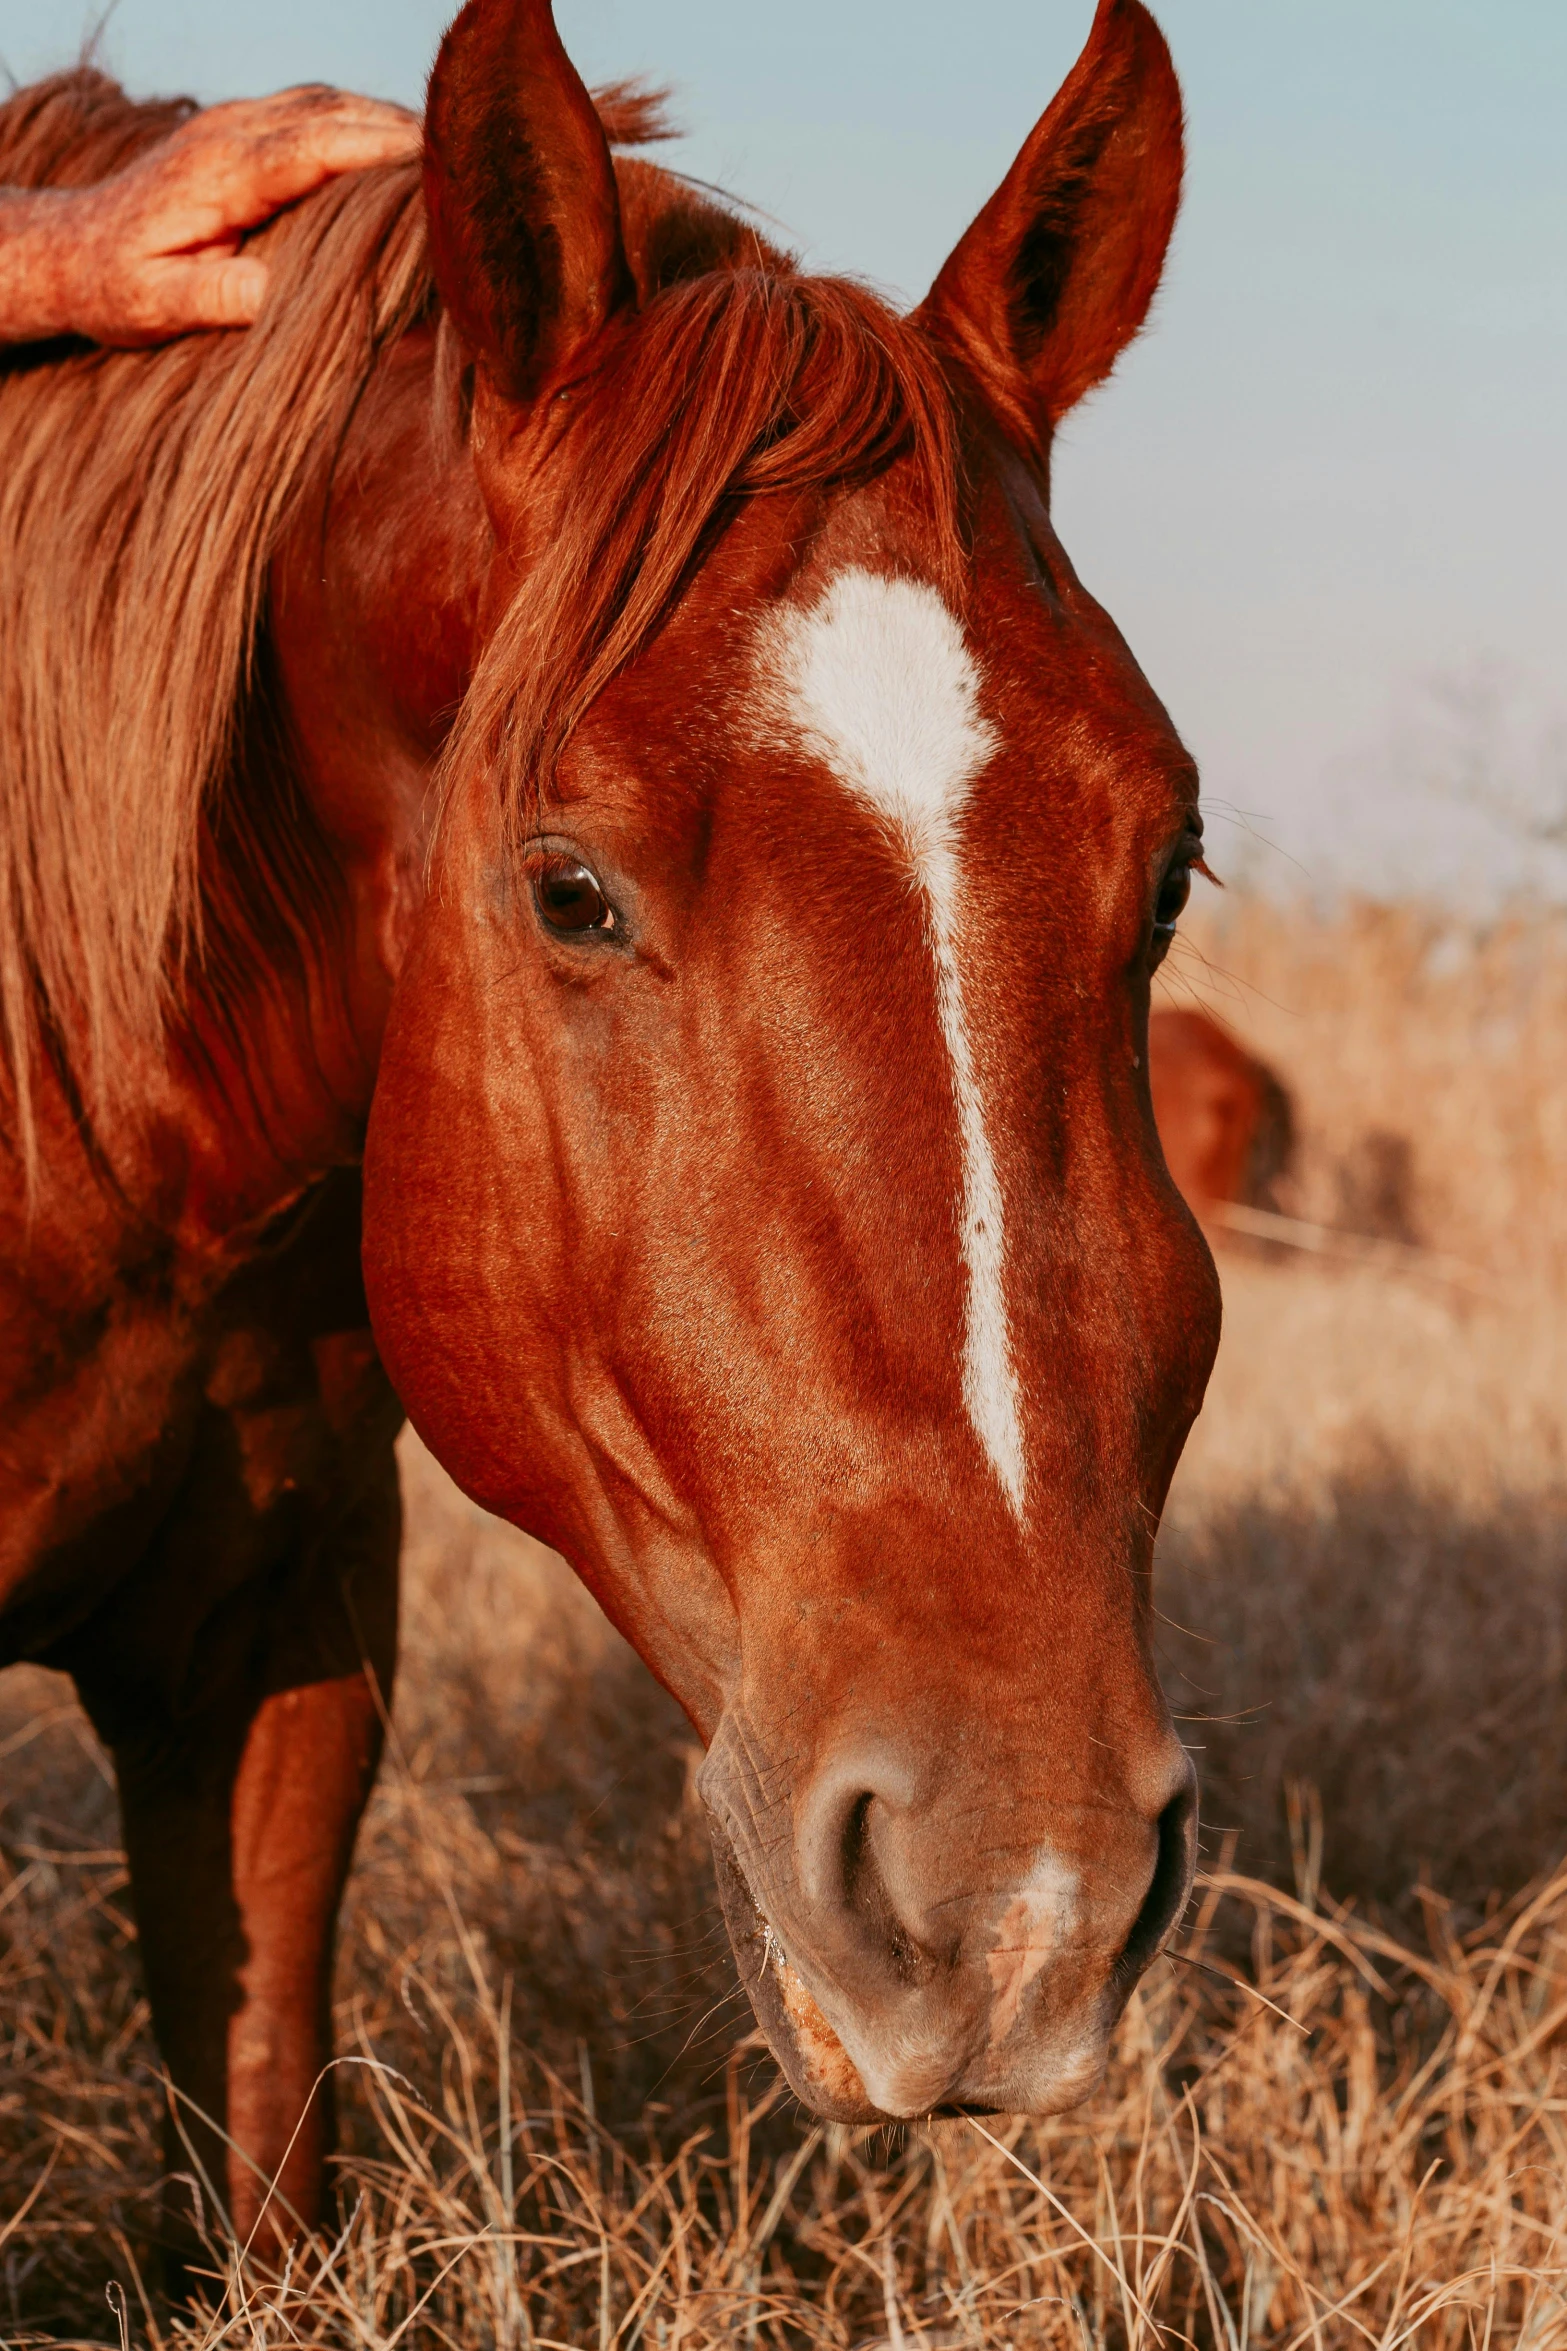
{"type": "Point", "coordinates": [1055, 277]}
{"type": "Point", "coordinates": [525, 230]}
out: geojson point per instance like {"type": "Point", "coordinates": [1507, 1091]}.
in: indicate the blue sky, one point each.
{"type": "Point", "coordinates": [1326, 496]}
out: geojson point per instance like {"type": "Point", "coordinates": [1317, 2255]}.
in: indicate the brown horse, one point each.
{"type": "Point", "coordinates": [609, 717]}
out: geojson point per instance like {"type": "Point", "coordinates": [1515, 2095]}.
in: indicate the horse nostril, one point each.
{"type": "Point", "coordinates": [852, 1848]}
{"type": "Point", "coordinates": [1168, 1889]}
{"type": "Point", "coordinates": [867, 1896]}
{"type": "Point", "coordinates": [854, 1856]}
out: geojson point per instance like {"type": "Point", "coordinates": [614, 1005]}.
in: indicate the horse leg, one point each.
{"type": "Point", "coordinates": [238, 1851]}
{"type": "Point", "coordinates": [239, 1815]}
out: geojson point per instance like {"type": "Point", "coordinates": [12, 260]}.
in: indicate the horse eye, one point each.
{"type": "Point", "coordinates": [1170, 904]}
{"type": "Point", "coordinates": [570, 898]}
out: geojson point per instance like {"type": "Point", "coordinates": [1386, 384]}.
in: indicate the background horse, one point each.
{"type": "Point", "coordinates": [1225, 1122]}
{"type": "Point", "coordinates": [602, 724]}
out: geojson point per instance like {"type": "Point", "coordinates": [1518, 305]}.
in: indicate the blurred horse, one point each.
{"type": "Point", "coordinates": [1225, 1120]}
{"type": "Point", "coordinates": [609, 715]}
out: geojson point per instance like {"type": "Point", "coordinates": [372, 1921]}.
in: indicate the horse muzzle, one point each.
{"type": "Point", "coordinates": [914, 1948]}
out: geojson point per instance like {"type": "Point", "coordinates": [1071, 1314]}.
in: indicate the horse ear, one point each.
{"type": "Point", "coordinates": [524, 212]}
{"type": "Point", "coordinates": [1054, 278]}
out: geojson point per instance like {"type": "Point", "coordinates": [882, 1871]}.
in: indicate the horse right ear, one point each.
{"type": "Point", "coordinates": [524, 212]}
{"type": "Point", "coordinates": [1054, 278]}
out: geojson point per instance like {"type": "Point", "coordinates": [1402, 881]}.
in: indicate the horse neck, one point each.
{"type": "Point", "coordinates": [366, 649]}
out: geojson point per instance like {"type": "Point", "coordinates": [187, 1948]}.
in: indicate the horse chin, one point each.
{"type": "Point", "coordinates": [814, 2062]}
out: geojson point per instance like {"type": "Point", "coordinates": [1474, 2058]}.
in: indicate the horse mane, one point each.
{"type": "Point", "coordinates": [151, 838]}
{"type": "Point", "coordinates": [142, 495]}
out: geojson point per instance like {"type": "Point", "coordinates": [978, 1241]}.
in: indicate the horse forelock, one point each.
{"type": "Point", "coordinates": [734, 384]}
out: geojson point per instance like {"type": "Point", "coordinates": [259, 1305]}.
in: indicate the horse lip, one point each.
{"type": "Point", "coordinates": [813, 2059]}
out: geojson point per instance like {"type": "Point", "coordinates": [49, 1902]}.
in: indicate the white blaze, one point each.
{"type": "Point", "coordinates": [1037, 1923]}
{"type": "Point", "coordinates": [880, 682]}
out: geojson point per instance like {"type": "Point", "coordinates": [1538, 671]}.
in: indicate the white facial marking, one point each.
{"type": "Point", "coordinates": [879, 680]}
{"type": "Point", "coordinates": [1036, 1922]}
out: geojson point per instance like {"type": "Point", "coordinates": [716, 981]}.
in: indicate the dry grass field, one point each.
{"type": "Point", "coordinates": [1338, 2115]}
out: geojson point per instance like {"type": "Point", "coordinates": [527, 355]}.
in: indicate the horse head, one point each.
{"type": "Point", "coordinates": [763, 1199]}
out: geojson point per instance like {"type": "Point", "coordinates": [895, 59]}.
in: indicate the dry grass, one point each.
{"type": "Point", "coordinates": [1340, 2117]}
{"type": "Point", "coordinates": [1370, 1526]}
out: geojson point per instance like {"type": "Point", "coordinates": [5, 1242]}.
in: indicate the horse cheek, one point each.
{"type": "Point", "coordinates": [459, 1257]}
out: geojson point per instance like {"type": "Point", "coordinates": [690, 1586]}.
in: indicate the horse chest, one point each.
{"type": "Point", "coordinates": [97, 1411]}
{"type": "Point", "coordinates": [120, 1396]}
